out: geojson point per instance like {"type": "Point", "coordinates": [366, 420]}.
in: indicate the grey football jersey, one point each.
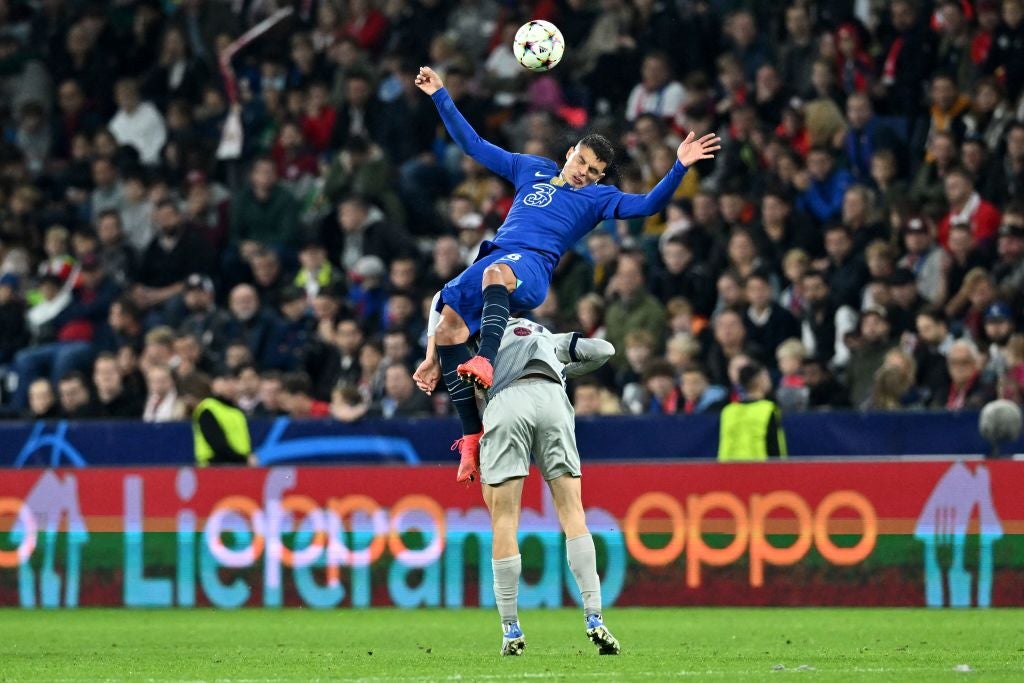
{"type": "Point", "coordinates": [528, 348]}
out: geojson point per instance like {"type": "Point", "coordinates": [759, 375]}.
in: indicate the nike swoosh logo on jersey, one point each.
{"type": "Point", "coordinates": [542, 174]}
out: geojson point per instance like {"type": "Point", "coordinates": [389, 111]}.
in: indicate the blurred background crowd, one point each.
{"type": "Point", "coordinates": [861, 233]}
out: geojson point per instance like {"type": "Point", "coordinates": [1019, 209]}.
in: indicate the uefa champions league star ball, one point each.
{"type": "Point", "coordinates": [538, 45]}
{"type": "Point", "coordinates": [1000, 421]}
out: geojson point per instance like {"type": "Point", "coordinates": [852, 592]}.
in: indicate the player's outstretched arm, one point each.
{"type": "Point", "coordinates": [491, 156]}
{"type": "Point", "coordinates": [691, 150]}
{"type": "Point", "coordinates": [581, 355]}
{"type": "Point", "coordinates": [428, 373]}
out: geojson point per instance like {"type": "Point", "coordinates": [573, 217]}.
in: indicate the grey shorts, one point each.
{"type": "Point", "coordinates": [530, 416]}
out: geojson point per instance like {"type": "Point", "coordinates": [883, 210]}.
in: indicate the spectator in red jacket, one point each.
{"type": "Point", "coordinates": [967, 206]}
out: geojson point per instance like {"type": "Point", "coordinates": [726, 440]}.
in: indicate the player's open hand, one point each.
{"type": "Point", "coordinates": [428, 81]}
{"type": "Point", "coordinates": [427, 375]}
{"type": "Point", "coordinates": [692, 150]}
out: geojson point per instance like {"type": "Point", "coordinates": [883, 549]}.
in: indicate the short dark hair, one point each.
{"type": "Point", "coordinates": [820, 274]}
{"type": "Point", "coordinates": [748, 374]}
{"type": "Point", "coordinates": [659, 368]}
{"type": "Point", "coordinates": [758, 275]}
{"type": "Point", "coordinates": [297, 383]}
{"type": "Point", "coordinates": [695, 368]}
{"type": "Point", "coordinates": [74, 376]}
{"type": "Point", "coordinates": [601, 146]}
{"type": "Point", "coordinates": [935, 313]}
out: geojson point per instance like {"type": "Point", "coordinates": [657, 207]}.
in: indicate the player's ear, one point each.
{"type": "Point", "coordinates": [569, 152]}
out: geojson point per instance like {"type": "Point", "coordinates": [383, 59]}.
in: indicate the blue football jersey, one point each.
{"type": "Point", "coordinates": [547, 215]}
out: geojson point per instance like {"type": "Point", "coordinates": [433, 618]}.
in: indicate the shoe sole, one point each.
{"type": "Point", "coordinates": [513, 647]}
{"type": "Point", "coordinates": [473, 380]}
{"type": "Point", "coordinates": [604, 640]}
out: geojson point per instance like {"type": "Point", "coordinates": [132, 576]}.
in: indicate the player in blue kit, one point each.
{"type": "Point", "coordinates": [553, 209]}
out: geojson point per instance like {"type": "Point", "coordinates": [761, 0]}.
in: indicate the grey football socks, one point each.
{"type": "Point", "coordinates": [583, 563]}
{"type": "Point", "coordinates": [506, 587]}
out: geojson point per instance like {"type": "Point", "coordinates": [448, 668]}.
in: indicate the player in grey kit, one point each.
{"type": "Point", "coordinates": [528, 412]}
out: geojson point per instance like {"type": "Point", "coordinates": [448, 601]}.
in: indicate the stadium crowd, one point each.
{"type": "Point", "coordinates": [861, 233]}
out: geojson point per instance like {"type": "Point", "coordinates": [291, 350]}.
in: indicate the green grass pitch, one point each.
{"type": "Point", "coordinates": [462, 645]}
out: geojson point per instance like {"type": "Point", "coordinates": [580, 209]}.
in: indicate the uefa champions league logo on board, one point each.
{"type": "Point", "coordinates": [943, 527]}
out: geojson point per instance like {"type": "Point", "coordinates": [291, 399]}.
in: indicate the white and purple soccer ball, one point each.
{"type": "Point", "coordinates": [538, 45]}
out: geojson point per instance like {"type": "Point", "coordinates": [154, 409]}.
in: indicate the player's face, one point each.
{"type": "Point", "coordinates": [582, 167]}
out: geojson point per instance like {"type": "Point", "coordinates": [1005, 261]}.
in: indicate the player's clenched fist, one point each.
{"type": "Point", "coordinates": [427, 375]}
{"type": "Point", "coordinates": [428, 81]}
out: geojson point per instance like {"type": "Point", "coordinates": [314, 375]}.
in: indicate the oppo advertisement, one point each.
{"type": "Point", "coordinates": [913, 533]}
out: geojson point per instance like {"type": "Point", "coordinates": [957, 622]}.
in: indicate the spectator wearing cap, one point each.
{"type": "Point", "coordinates": [768, 323]}
{"type": "Point", "coordinates": [366, 293]}
{"type": "Point", "coordinates": [927, 262]}
{"type": "Point", "coordinates": [360, 229]}
{"type": "Point", "coordinates": [967, 206]}
{"type": "Point", "coordinates": [751, 429]}
{"type": "Point", "coordinates": [264, 213]}
{"type": "Point", "coordinates": [1008, 270]}
{"type": "Point", "coordinates": [171, 257]}
{"type": "Point", "coordinates": [998, 328]}
{"type": "Point", "coordinates": [137, 122]}
{"type": "Point", "coordinates": [202, 317]}
{"type": "Point", "coordinates": [906, 301]}
{"type": "Point", "coordinates": [13, 331]}
{"type": "Point", "coordinates": [967, 389]}
{"type": "Point", "coordinates": [868, 354]}
{"type": "Point", "coordinates": [823, 186]}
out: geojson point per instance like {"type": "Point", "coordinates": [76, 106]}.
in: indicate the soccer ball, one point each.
{"type": "Point", "coordinates": [538, 45]}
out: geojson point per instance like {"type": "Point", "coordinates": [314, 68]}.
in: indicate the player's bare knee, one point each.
{"type": "Point", "coordinates": [499, 274]}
